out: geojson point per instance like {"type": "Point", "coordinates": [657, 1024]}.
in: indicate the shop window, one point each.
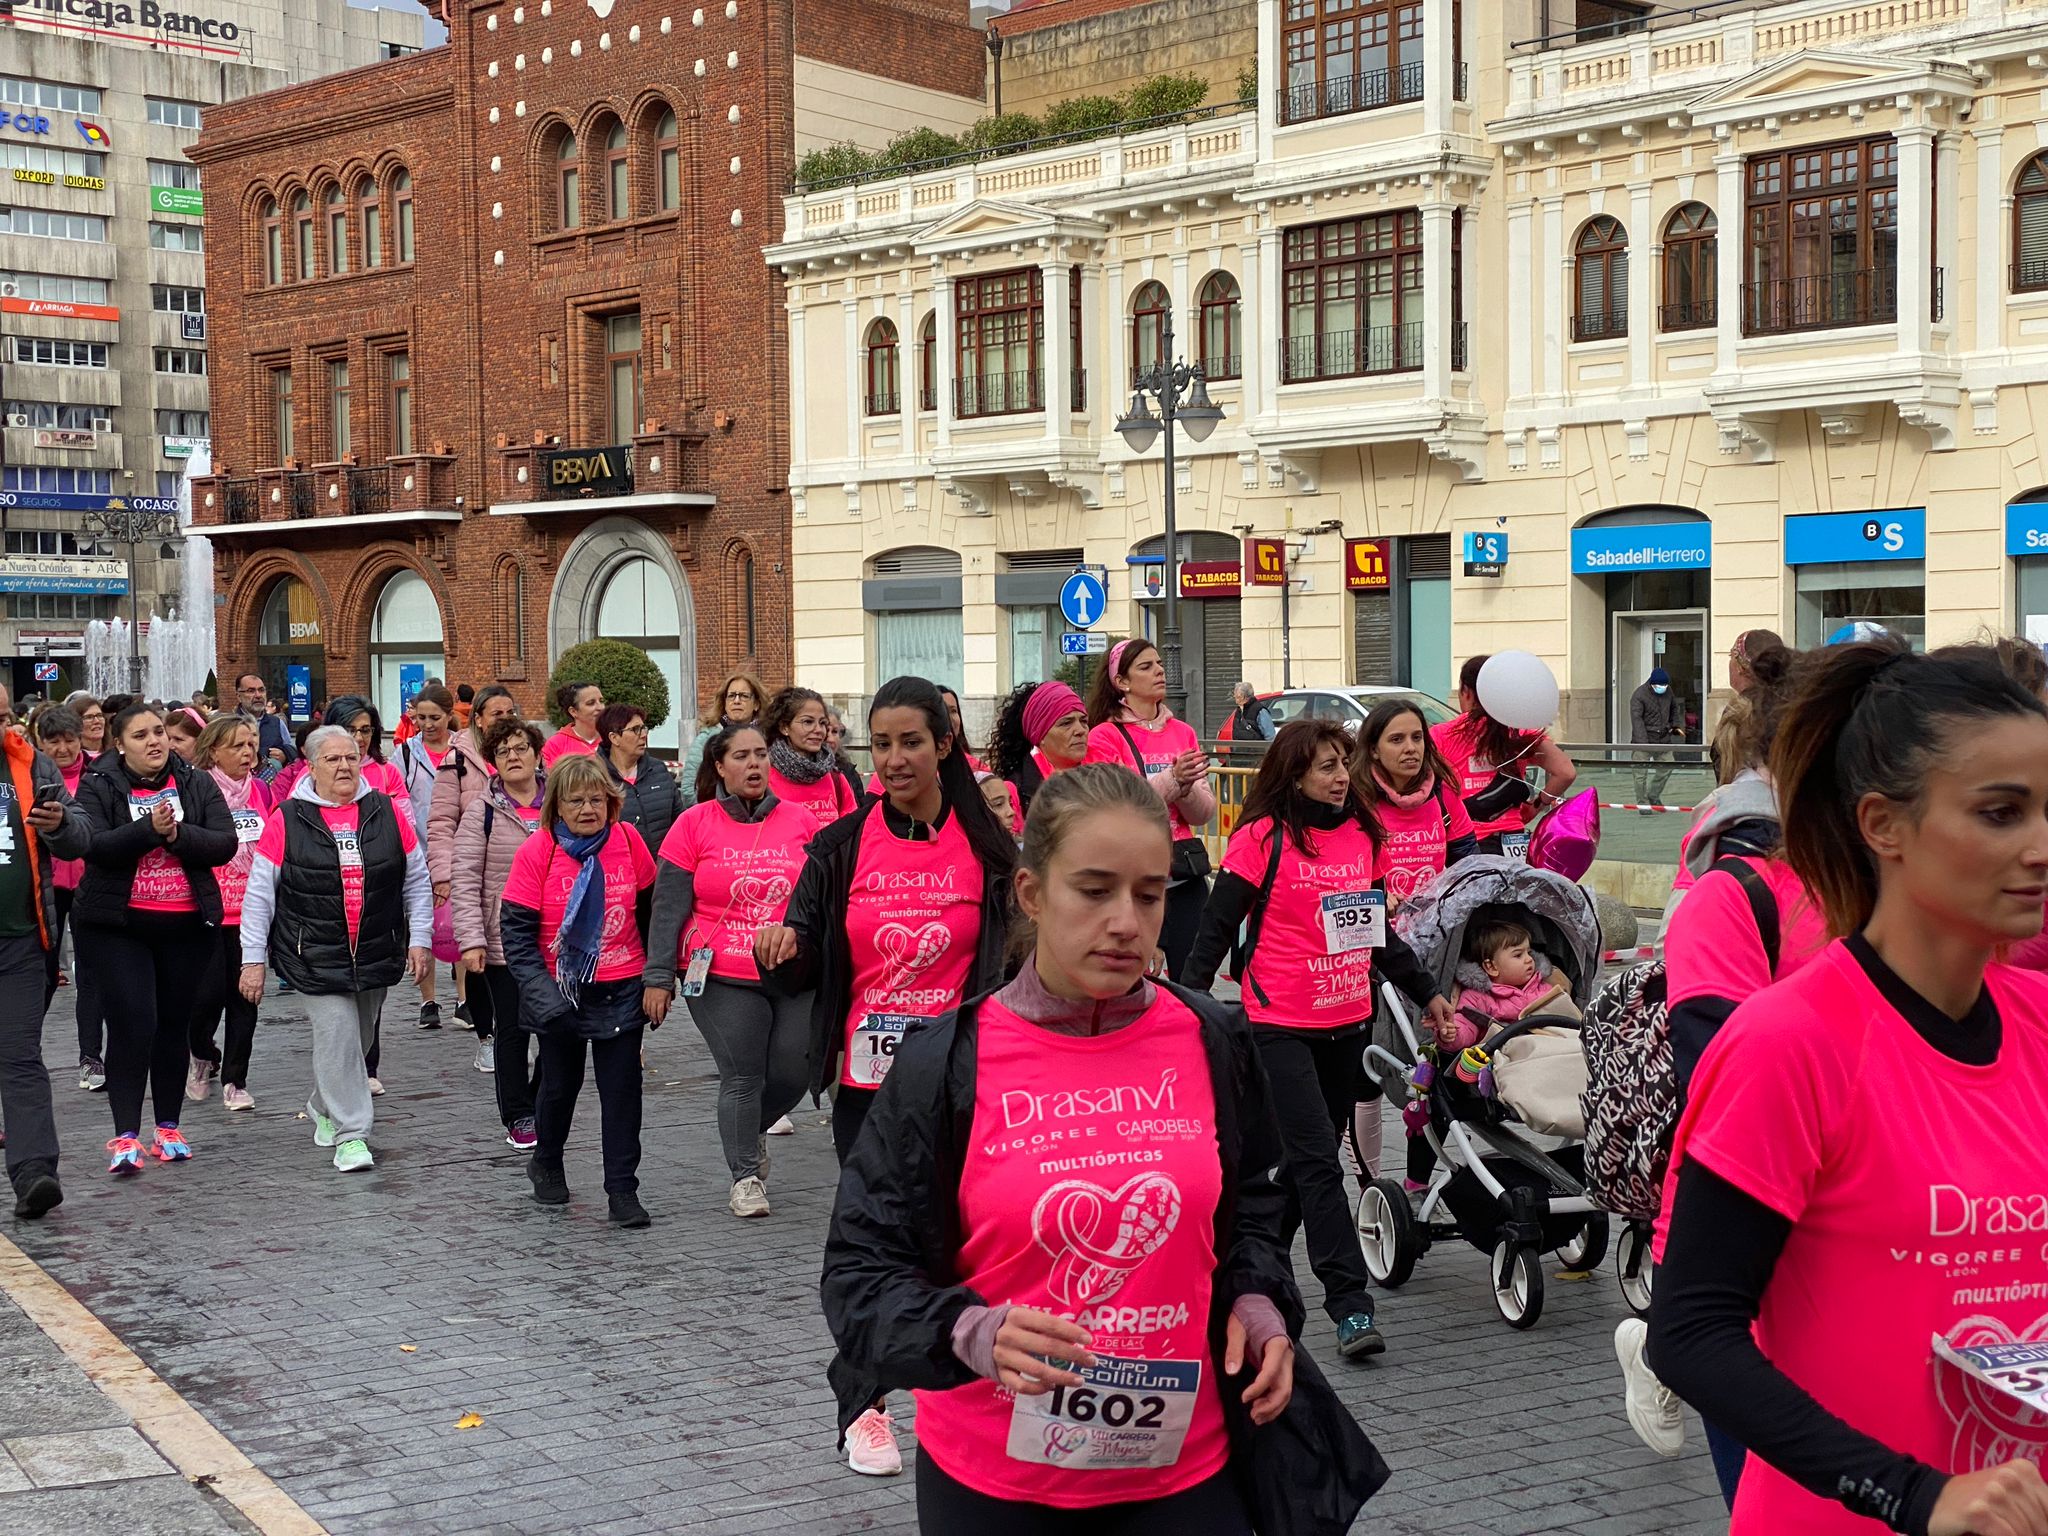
{"type": "Point", "coordinates": [913, 598]}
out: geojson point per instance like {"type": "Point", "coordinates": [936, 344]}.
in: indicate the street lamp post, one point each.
{"type": "Point", "coordinates": [1182, 394]}
{"type": "Point", "coordinates": [128, 525]}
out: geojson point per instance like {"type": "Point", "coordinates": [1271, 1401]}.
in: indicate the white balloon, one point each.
{"type": "Point", "coordinates": [1518, 690]}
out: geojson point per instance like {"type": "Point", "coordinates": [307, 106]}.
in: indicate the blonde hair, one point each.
{"type": "Point", "coordinates": [217, 735]}
{"type": "Point", "coordinates": [714, 712]}
{"type": "Point", "coordinates": [579, 771]}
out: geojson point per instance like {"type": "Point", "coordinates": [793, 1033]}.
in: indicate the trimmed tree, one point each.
{"type": "Point", "coordinates": [624, 672]}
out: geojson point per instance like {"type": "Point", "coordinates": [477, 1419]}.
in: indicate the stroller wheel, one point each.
{"type": "Point", "coordinates": [1388, 1233]}
{"type": "Point", "coordinates": [1588, 1245]}
{"type": "Point", "coordinates": [1632, 1266]}
{"type": "Point", "coordinates": [1517, 1284]}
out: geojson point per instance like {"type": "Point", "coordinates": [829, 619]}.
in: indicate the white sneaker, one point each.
{"type": "Point", "coordinates": [232, 1097]}
{"type": "Point", "coordinates": [750, 1198]}
{"type": "Point", "coordinates": [782, 1127]}
{"type": "Point", "coordinates": [197, 1079]}
{"type": "Point", "coordinates": [871, 1448]}
{"type": "Point", "coordinates": [376, 1088]}
{"type": "Point", "coordinates": [486, 1059]}
{"type": "Point", "coordinates": [1653, 1409]}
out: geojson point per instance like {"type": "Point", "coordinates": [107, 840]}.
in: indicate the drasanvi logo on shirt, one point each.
{"type": "Point", "coordinates": [1098, 1237]}
{"type": "Point", "coordinates": [1021, 1108]}
{"type": "Point", "coordinates": [1955, 1212]}
{"type": "Point", "coordinates": [935, 880]}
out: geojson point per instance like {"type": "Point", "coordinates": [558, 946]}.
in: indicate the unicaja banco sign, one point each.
{"type": "Point", "coordinates": [147, 14]}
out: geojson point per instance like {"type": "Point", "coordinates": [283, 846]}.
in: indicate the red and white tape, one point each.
{"type": "Point", "coordinates": [1685, 810]}
{"type": "Point", "coordinates": [1640, 952]}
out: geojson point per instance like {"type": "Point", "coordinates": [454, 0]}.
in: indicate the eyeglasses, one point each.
{"type": "Point", "coordinates": [637, 728]}
{"type": "Point", "coordinates": [744, 695]}
{"type": "Point", "coordinates": [332, 760]}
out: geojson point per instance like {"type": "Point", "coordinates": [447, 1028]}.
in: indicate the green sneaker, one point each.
{"type": "Point", "coordinates": [323, 1128]}
{"type": "Point", "coordinates": [353, 1157]}
{"type": "Point", "coordinates": [1357, 1337]}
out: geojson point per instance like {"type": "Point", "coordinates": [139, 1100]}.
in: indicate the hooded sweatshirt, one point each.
{"type": "Point", "coordinates": [259, 902]}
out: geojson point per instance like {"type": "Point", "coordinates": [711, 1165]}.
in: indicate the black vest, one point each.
{"type": "Point", "coordinates": [309, 931]}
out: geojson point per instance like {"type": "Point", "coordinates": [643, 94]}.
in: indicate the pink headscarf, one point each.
{"type": "Point", "coordinates": [1048, 703]}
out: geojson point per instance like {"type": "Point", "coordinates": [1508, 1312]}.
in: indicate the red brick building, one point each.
{"type": "Point", "coordinates": [496, 363]}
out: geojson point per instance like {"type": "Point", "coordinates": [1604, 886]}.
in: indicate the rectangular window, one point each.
{"type": "Point", "coordinates": [52, 225]}
{"type": "Point", "coordinates": [49, 160]}
{"type": "Point", "coordinates": [1350, 56]}
{"type": "Point", "coordinates": [174, 173]}
{"type": "Point", "coordinates": [177, 301]}
{"type": "Point", "coordinates": [61, 605]}
{"type": "Point", "coordinates": [373, 233]}
{"type": "Point", "coordinates": [66, 290]}
{"type": "Point", "coordinates": [56, 353]}
{"type": "Point", "coordinates": [173, 114]}
{"type": "Point", "coordinates": [1821, 238]}
{"type": "Point", "coordinates": [41, 541]}
{"type": "Point", "coordinates": [16, 92]}
{"type": "Point", "coordinates": [404, 219]}
{"type": "Point", "coordinates": [48, 413]}
{"type": "Point", "coordinates": [182, 424]}
{"type": "Point", "coordinates": [281, 412]}
{"type": "Point", "coordinates": [399, 367]}
{"type": "Point", "coordinates": [1000, 338]}
{"type": "Point", "coordinates": [671, 181]}
{"type": "Point", "coordinates": [56, 479]}
{"type": "Point", "coordinates": [169, 482]}
{"type": "Point", "coordinates": [337, 235]}
{"type": "Point", "coordinates": [1351, 294]}
{"type": "Point", "coordinates": [338, 406]}
{"type": "Point", "coordinates": [622, 377]}
{"type": "Point", "coordinates": [180, 360]}
{"type": "Point", "coordinates": [175, 237]}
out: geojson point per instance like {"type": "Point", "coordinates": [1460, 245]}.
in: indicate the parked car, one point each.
{"type": "Point", "coordinates": [1350, 706]}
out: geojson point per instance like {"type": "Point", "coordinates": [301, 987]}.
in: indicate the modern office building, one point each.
{"type": "Point", "coordinates": [103, 367]}
{"type": "Point", "coordinates": [1606, 330]}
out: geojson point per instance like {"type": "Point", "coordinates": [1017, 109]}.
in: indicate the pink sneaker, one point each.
{"type": "Point", "coordinates": [170, 1146]}
{"type": "Point", "coordinates": [127, 1155]}
{"type": "Point", "coordinates": [871, 1448]}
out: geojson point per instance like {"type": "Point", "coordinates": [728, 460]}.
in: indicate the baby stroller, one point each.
{"type": "Point", "coordinates": [1503, 1185]}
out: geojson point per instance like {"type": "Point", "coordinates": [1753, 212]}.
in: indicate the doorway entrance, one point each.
{"type": "Point", "coordinates": [1674, 639]}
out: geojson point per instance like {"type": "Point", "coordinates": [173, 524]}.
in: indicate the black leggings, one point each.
{"type": "Point", "coordinates": [516, 1076]}
{"type": "Point", "coordinates": [1184, 903]}
{"type": "Point", "coordinates": [946, 1507]}
{"type": "Point", "coordinates": [1314, 1078]}
{"type": "Point", "coordinates": [152, 970]}
{"type": "Point", "coordinates": [220, 990]}
{"type": "Point", "coordinates": [92, 1029]}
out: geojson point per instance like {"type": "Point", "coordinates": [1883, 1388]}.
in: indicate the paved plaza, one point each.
{"type": "Point", "coordinates": [336, 1329]}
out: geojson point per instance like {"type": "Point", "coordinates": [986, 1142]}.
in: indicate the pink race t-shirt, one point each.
{"type": "Point", "coordinates": [161, 884]}
{"type": "Point", "coordinates": [1312, 967]}
{"type": "Point", "coordinates": [233, 876]}
{"type": "Point", "coordinates": [1090, 1191]}
{"type": "Point", "coordinates": [1473, 772]}
{"type": "Point", "coordinates": [344, 825]}
{"type": "Point", "coordinates": [1917, 1189]}
{"type": "Point", "coordinates": [1156, 750]}
{"type": "Point", "coordinates": [913, 921]}
{"type": "Point", "coordinates": [825, 801]}
{"type": "Point", "coordinates": [542, 875]}
{"type": "Point", "coordinates": [564, 743]}
{"type": "Point", "coordinates": [742, 874]}
{"type": "Point", "coordinates": [1419, 839]}
{"type": "Point", "coordinates": [1713, 949]}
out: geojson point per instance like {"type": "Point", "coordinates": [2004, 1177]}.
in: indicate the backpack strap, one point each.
{"type": "Point", "coordinates": [1131, 745]}
{"type": "Point", "coordinates": [1241, 961]}
{"type": "Point", "coordinates": [490, 815]}
{"type": "Point", "coordinates": [1763, 903]}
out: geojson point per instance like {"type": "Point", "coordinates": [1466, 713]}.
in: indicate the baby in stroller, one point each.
{"type": "Point", "coordinates": [1505, 978]}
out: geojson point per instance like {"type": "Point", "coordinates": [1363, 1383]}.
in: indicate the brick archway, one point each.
{"type": "Point", "coordinates": [236, 641]}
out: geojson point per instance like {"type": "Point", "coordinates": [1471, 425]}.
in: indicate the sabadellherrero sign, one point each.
{"type": "Point", "coordinates": [146, 14]}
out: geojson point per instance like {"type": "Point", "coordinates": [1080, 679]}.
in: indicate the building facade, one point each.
{"type": "Point", "coordinates": [1609, 342]}
{"type": "Point", "coordinates": [498, 367]}
{"type": "Point", "coordinates": [102, 280]}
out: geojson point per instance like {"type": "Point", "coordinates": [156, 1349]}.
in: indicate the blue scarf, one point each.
{"type": "Point", "coordinates": [582, 932]}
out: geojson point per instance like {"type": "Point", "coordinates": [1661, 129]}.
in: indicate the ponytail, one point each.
{"type": "Point", "coordinates": [1871, 717]}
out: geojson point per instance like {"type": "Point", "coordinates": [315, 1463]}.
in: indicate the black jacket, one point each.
{"type": "Point", "coordinates": [604, 1008]}
{"type": "Point", "coordinates": [891, 1288]}
{"type": "Point", "coordinates": [824, 962]}
{"type": "Point", "coordinates": [206, 840]}
{"type": "Point", "coordinates": [653, 799]}
{"type": "Point", "coordinates": [309, 942]}
{"type": "Point", "coordinates": [1655, 717]}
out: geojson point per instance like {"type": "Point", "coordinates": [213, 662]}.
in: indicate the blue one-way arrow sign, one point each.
{"type": "Point", "coordinates": [1082, 600]}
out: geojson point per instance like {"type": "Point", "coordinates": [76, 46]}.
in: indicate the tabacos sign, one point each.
{"type": "Point", "coordinates": [147, 14]}
{"type": "Point", "coordinates": [585, 472]}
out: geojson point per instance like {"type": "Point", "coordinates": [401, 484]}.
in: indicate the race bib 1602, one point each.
{"type": "Point", "coordinates": [1127, 1413]}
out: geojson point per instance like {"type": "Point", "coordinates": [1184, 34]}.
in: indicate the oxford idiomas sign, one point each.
{"type": "Point", "coordinates": [146, 14]}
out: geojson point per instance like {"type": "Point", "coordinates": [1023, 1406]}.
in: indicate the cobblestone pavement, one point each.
{"type": "Point", "coordinates": [672, 1379]}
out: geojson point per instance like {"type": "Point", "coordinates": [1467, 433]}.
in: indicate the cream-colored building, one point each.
{"type": "Point", "coordinates": [1614, 344]}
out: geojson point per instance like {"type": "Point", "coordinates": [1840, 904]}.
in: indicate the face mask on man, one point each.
{"type": "Point", "coordinates": [1660, 688]}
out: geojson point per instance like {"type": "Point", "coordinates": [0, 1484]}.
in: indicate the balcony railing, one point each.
{"type": "Point", "coordinates": [927, 398]}
{"type": "Point", "coordinates": [884, 402]}
{"type": "Point", "coordinates": [1459, 355]}
{"type": "Point", "coordinates": [1689, 315]}
{"type": "Point", "coordinates": [240, 501]}
{"type": "Point", "coordinates": [2028, 276]}
{"type": "Point", "coordinates": [999, 394]}
{"type": "Point", "coordinates": [1779, 306]}
{"type": "Point", "coordinates": [1599, 324]}
{"type": "Point", "coordinates": [369, 490]}
{"type": "Point", "coordinates": [301, 493]}
{"type": "Point", "coordinates": [1351, 354]}
{"type": "Point", "coordinates": [1222, 365]}
{"type": "Point", "coordinates": [1313, 99]}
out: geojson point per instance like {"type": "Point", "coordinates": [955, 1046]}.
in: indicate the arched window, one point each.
{"type": "Point", "coordinates": [928, 363]}
{"type": "Point", "coordinates": [401, 208]}
{"type": "Point", "coordinates": [568, 185]}
{"type": "Point", "coordinates": [273, 243]}
{"type": "Point", "coordinates": [2030, 227]}
{"type": "Point", "coordinates": [618, 180]}
{"type": "Point", "coordinates": [883, 395]}
{"type": "Point", "coordinates": [337, 232]}
{"type": "Point", "coordinates": [1220, 321]}
{"type": "Point", "coordinates": [1692, 246]}
{"type": "Point", "coordinates": [302, 236]}
{"type": "Point", "coordinates": [668, 160]}
{"type": "Point", "coordinates": [511, 609]}
{"type": "Point", "coordinates": [370, 220]}
{"type": "Point", "coordinates": [405, 631]}
{"type": "Point", "coordinates": [1148, 329]}
{"type": "Point", "coordinates": [745, 622]}
{"type": "Point", "coordinates": [637, 604]}
{"type": "Point", "coordinates": [1601, 258]}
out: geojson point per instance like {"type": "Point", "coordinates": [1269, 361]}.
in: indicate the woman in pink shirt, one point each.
{"type": "Point", "coordinates": [573, 922]}
{"type": "Point", "coordinates": [1400, 772]}
{"type": "Point", "coordinates": [1479, 750]}
{"type": "Point", "coordinates": [1041, 730]}
{"type": "Point", "coordinates": [803, 771]}
{"type": "Point", "coordinates": [227, 752]}
{"type": "Point", "coordinates": [1131, 726]}
{"type": "Point", "coordinates": [1861, 1168]}
{"type": "Point", "coordinates": [1061, 1228]}
{"type": "Point", "coordinates": [1301, 882]}
{"type": "Point", "coordinates": [582, 703]}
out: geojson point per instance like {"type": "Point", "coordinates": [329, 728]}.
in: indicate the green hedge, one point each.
{"type": "Point", "coordinates": [623, 671]}
{"type": "Point", "coordinates": [1078, 118]}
